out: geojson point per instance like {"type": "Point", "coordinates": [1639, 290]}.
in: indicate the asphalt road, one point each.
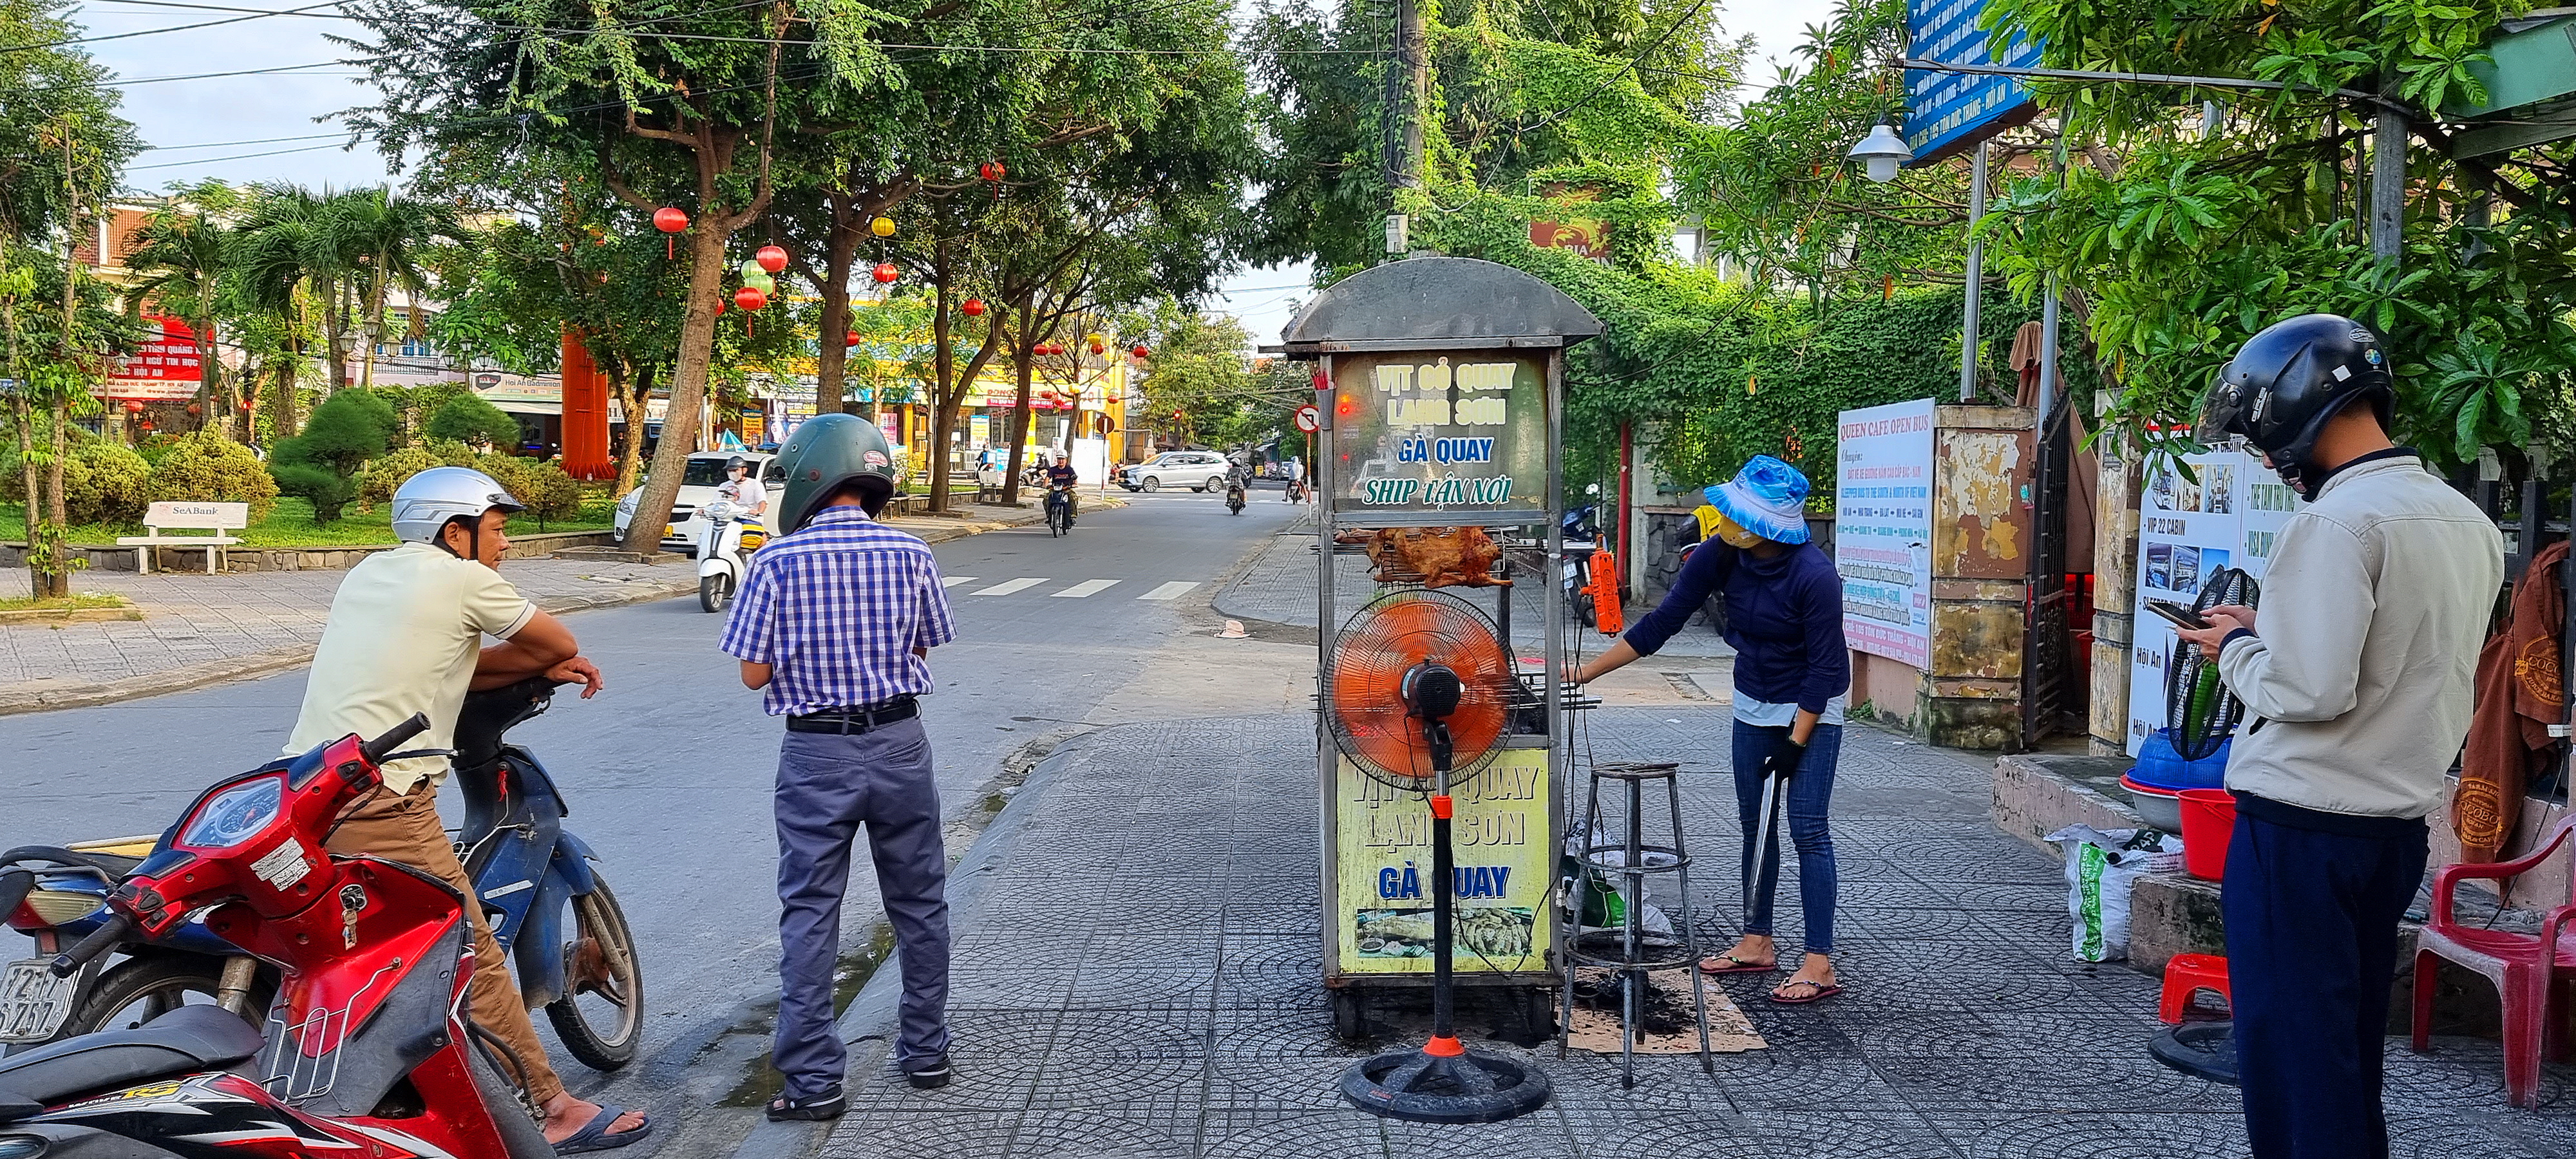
{"type": "Point", "coordinates": [668, 770]}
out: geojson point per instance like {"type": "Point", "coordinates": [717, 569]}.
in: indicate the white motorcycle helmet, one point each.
{"type": "Point", "coordinates": [427, 501]}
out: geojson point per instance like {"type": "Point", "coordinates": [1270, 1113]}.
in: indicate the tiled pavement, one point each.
{"type": "Point", "coordinates": [198, 628]}
{"type": "Point", "coordinates": [1279, 587]}
{"type": "Point", "coordinates": [1137, 974]}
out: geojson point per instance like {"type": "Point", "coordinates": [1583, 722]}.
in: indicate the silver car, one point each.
{"type": "Point", "coordinates": [1196, 470]}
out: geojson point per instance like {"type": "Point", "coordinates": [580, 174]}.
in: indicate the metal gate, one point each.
{"type": "Point", "coordinates": [2050, 684]}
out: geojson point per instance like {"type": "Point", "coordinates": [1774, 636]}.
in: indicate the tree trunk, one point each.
{"type": "Point", "coordinates": [831, 355]}
{"type": "Point", "coordinates": [1023, 366]}
{"type": "Point", "coordinates": [335, 335]}
{"type": "Point", "coordinates": [688, 386]}
{"type": "Point", "coordinates": [21, 411]}
{"type": "Point", "coordinates": [373, 332]}
{"type": "Point", "coordinates": [58, 566]}
{"type": "Point", "coordinates": [630, 457]}
{"type": "Point", "coordinates": [283, 405]}
{"type": "Point", "coordinates": [943, 365]}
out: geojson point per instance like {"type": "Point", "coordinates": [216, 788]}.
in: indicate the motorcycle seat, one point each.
{"type": "Point", "coordinates": [184, 1041]}
{"type": "Point", "coordinates": [113, 864]}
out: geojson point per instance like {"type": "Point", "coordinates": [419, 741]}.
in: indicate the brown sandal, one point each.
{"type": "Point", "coordinates": [1823, 990]}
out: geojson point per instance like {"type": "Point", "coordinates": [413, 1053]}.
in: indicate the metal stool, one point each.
{"type": "Point", "coordinates": [1632, 859]}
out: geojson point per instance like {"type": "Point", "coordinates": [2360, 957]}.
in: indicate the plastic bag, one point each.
{"type": "Point", "coordinates": [2101, 867]}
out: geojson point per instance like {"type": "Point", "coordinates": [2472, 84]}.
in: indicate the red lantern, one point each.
{"type": "Point", "coordinates": [1138, 350]}
{"type": "Point", "coordinates": [194, 409]}
{"type": "Point", "coordinates": [750, 298]}
{"type": "Point", "coordinates": [133, 406]}
{"type": "Point", "coordinates": [850, 339]}
{"type": "Point", "coordinates": [992, 171]}
{"type": "Point", "coordinates": [246, 408]}
{"type": "Point", "coordinates": [771, 258]}
{"type": "Point", "coordinates": [885, 272]}
{"type": "Point", "coordinates": [147, 424]}
{"type": "Point", "coordinates": [1097, 347]}
{"type": "Point", "coordinates": [669, 220]}
{"type": "Point", "coordinates": [720, 306]}
{"type": "Point", "coordinates": [974, 307]}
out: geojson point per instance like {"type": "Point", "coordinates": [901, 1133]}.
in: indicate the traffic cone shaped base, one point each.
{"type": "Point", "coordinates": [1422, 1087]}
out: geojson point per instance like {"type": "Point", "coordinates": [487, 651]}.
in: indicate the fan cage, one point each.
{"type": "Point", "coordinates": [1385, 638]}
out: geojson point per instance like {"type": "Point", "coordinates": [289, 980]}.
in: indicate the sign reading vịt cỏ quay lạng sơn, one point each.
{"type": "Point", "coordinates": [1461, 431]}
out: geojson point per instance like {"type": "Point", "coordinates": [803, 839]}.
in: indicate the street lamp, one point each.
{"type": "Point", "coordinates": [1882, 150]}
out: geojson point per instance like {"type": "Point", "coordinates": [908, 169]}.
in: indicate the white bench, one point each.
{"type": "Point", "coordinates": [187, 516]}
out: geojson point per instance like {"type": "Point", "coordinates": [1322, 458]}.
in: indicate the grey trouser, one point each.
{"type": "Point", "coordinates": [828, 786]}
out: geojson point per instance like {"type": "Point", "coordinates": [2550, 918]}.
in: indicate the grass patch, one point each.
{"type": "Point", "coordinates": [73, 602]}
{"type": "Point", "coordinates": [291, 524]}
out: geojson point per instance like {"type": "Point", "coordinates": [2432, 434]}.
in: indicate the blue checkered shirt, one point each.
{"type": "Point", "coordinates": [836, 609]}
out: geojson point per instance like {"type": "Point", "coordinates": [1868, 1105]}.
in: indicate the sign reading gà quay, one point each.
{"type": "Point", "coordinates": [1461, 431]}
{"type": "Point", "coordinates": [1883, 530]}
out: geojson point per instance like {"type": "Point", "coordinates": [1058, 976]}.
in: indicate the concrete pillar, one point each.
{"type": "Point", "coordinates": [2115, 578]}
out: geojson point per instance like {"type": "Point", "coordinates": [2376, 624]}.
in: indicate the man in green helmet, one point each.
{"type": "Point", "coordinates": [834, 623]}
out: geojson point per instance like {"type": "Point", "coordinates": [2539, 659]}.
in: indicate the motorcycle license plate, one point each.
{"type": "Point", "coordinates": [33, 1003]}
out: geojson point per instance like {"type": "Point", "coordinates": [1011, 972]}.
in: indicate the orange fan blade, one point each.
{"type": "Point", "coordinates": [1387, 640]}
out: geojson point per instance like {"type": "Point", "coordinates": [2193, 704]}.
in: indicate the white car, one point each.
{"type": "Point", "coordinates": [698, 481]}
{"type": "Point", "coordinates": [1196, 470]}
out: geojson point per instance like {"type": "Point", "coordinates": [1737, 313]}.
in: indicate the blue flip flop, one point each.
{"type": "Point", "coordinates": [594, 1135]}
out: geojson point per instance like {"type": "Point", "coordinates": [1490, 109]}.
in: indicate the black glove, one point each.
{"type": "Point", "coordinates": [1783, 759]}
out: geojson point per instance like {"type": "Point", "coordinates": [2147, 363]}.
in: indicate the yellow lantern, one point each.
{"type": "Point", "coordinates": [882, 227]}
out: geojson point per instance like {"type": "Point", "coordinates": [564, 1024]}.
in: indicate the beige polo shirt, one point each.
{"type": "Point", "coordinates": [405, 629]}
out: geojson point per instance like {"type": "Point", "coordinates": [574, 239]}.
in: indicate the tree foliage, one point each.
{"type": "Point", "coordinates": [321, 464]}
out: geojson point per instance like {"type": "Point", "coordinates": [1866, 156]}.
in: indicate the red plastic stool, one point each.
{"type": "Point", "coordinates": [2186, 975]}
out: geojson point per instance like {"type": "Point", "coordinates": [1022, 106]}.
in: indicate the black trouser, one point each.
{"type": "Point", "coordinates": [2312, 902]}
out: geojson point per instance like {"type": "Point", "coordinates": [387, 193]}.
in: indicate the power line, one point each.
{"type": "Point", "coordinates": [8, 48]}
{"type": "Point", "coordinates": [1633, 61]}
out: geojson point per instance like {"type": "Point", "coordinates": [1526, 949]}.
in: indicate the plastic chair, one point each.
{"type": "Point", "coordinates": [2189, 974]}
{"type": "Point", "coordinates": [2534, 976]}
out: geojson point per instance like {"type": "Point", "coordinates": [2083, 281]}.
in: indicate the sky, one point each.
{"type": "Point", "coordinates": [262, 127]}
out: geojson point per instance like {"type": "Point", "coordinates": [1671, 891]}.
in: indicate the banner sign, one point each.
{"type": "Point", "coordinates": [1952, 111]}
{"type": "Point", "coordinates": [164, 367]}
{"type": "Point", "coordinates": [2226, 513]}
{"type": "Point", "coordinates": [1883, 530]}
{"type": "Point", "coordinates": [1381, 909]}
{"type": "Point", "coordinates": [1463, 432]}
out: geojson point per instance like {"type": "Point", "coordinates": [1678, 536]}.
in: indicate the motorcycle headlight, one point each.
{"type": "Point", "coordinates": [234, 815]}
{"type": "Point", "coordinates": [21, 1147]}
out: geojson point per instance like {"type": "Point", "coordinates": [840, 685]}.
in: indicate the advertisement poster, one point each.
{"type": "Point", "coordinates": [164, 367]}
{"type": "Point", "coordinates": [2225, 511]}
{"type": "Point", "coordinates": [979, 430]}
{"type": "Point", "coordinates": [1883, 530]}
{"type": "Point", "coordinates": [1463, 432]}
{"type": "Point", "coordinates": [1381, 912]}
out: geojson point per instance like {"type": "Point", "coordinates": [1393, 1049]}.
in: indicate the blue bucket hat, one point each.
{"type": "Point", "coordinates": [1768, 498]}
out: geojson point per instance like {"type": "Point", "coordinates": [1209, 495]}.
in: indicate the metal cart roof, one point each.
{"type": "Point", "coordinates": [1437, 304]}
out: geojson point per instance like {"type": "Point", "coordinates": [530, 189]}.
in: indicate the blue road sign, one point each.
{"type": "Point", "coordinates": [1951, 111]}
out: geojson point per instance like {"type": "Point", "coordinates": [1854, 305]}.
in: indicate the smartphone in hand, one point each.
{"type": "Point", "coordinates": [2178, 614]}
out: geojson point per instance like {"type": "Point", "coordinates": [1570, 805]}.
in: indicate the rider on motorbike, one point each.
{"type": "Point", "coordinates": [405, 635]}
{"type": "Point", "coordinates": [1061, 479]}
{"type": "Point", "coordinates": [745, 491]}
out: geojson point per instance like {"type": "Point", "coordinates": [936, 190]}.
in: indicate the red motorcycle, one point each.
{"type": "Point", "coordinates": [365, 1052]}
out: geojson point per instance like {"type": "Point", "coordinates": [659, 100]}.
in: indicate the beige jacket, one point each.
{"type": "Point", "coordinates": [2371, 615]}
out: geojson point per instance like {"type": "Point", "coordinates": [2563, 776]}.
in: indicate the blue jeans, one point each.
{"type": "Point", "coordinates": [1809, 792]}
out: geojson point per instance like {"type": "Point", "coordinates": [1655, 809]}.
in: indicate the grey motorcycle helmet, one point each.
{"type": "Point", "coordinates": [828, 452]}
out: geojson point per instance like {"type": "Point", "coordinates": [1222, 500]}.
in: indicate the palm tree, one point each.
{"type": "Point", "coordinates": [389, 235]}
{"type": "Point", "coordinates": [184, 253]}
{"type": "Point", "coordinates": [290, 244]}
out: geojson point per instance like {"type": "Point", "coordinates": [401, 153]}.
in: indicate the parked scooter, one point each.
{"type": "Point", "coordinates": [1581, 537]}
{"type": "Point", "coordinates": [365, 1052]}
{"type": "Point", "coordinates": [585, 972]}
{"type": "Point", "coordinates": [726, 539]}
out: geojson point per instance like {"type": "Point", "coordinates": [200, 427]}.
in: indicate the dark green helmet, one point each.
{"type": "Point", "coordinates": [826, 453]}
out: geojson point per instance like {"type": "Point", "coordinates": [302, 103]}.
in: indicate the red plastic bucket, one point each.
{"type": "Point", "coordinates": [2208, 820]}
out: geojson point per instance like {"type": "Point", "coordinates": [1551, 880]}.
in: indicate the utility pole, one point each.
{"type": "Point", "coordinates": [1408, 83]}
{"type": "Point", "coordinates": [1976, 277]}
{"type": "Point", "coordinates": [2387, 173]}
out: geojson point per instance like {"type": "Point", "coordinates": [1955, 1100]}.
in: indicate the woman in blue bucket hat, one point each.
{"type": "Point", "coordinates": [1784, 616]}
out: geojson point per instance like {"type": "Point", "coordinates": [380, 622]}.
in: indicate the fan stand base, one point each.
{"type": "Point", "coordinates": [1466, 1087]}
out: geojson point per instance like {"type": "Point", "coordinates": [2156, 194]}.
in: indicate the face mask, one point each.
{"type": "Point", "coordinates": [1734, 536]}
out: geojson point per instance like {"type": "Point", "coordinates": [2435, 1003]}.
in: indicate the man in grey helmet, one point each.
{"type": "Point", "coordinates": [406, 635]}
{"type": "Point", "coordinates": [835, 623]}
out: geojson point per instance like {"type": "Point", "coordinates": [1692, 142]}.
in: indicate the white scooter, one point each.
{"type": "Point", "coordinates": [725, 538]}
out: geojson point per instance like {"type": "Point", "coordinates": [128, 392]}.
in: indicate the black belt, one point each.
{"type": "Point", "coordinates": [853, 721]}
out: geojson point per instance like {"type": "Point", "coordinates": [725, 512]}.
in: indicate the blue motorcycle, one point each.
{"type": "Point", "coordinates": [568, 941]}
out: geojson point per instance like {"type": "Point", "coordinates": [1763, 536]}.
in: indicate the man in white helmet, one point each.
{"type": "Point", "coordinates": [406, 635]}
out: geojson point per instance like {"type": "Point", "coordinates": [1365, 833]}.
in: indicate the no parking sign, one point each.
{"type": "Point", "coordinates": [1309, 419]}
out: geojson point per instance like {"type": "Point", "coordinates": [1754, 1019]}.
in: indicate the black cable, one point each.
{"type": "Point", "coordinates": [1633, 61]}
{"type": "Point", "coordinates": [8, 48]}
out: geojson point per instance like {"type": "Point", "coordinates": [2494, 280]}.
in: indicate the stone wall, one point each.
{"type": "Point", "coordinates": [242, 559]}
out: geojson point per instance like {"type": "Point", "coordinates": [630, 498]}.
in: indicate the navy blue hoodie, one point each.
{"type": "Point", "coordinates": [1784, 616]}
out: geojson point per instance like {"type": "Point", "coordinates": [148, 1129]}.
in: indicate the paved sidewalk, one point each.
{"type": "Point", "coordinates": [200, 629]}
{"type": "Point", "coordinates": [1279, 587]}
{"type": "Point", "coordinates": [1137, 975]}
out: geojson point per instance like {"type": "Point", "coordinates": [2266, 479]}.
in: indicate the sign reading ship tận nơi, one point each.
{"type": "Point", "coordinates": [1462, 431]}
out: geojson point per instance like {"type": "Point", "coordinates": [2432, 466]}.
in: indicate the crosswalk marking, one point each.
{"type": "Point", "coordinates": [1170, 591]}
{"type": "Point", "coordinates": [1085, 588]}
{"type": "Point", "coordinates": [1016, 585]}
{"type": "Point", "coordinates": [950, 581]}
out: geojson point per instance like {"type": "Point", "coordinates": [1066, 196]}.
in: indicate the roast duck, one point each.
{"type": "Point", "coordinates": [1442, 556]}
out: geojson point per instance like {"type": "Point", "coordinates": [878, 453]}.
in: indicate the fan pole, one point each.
{"type": "Point", "coordinates": [1444, 1034]}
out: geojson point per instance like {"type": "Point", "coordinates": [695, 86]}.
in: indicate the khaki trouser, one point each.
{"type": "Point", "coordinates": [404, 828]}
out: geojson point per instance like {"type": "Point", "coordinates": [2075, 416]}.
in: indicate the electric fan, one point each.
{"type": "Point", "coordinates": [2200, 713]}
{"type": "Point", "coordinates": [1417, 695]}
